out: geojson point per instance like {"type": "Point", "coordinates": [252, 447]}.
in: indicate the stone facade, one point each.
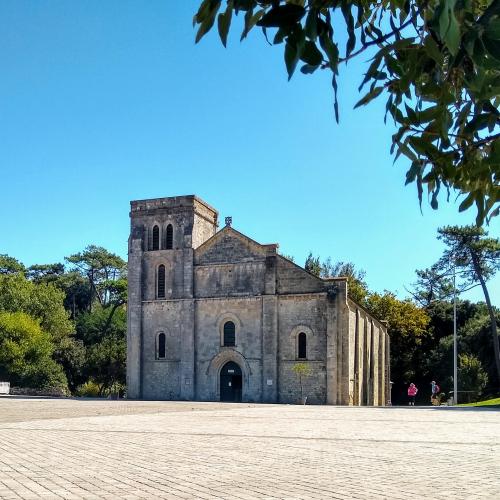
{"type": "Point", "coordinates": [215, 315]}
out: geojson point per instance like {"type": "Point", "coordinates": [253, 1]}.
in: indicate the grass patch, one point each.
{"type": "Point", "coordinates": [495, 403]}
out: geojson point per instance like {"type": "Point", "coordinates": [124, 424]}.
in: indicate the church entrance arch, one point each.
{"type": "Point", "coordinates": [231, 382]}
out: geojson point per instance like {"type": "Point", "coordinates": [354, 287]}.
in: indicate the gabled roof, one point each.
{"type": "Point", "coordinates": [229, 244]}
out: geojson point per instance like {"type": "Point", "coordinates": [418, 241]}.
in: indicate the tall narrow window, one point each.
{"type": "Point", "coordinates": [229, 334]}
{"type": "Point", "coordinates": [302, 346]}
{"type": "Point", "coordinates": [156, 238]}
{"type": "Point", "coordinates": [162, 348]}
{"type": "Point", "coordinates": [170, 237]}
{"type": "Point", "coordinates": [161, 281]}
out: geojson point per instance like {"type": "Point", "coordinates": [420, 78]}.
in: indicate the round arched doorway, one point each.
{"type": "Point", "coordinates": [231, 382]}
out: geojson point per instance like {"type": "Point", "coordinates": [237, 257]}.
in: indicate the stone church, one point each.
{"type": "Point", "coordinates": [215, 316]}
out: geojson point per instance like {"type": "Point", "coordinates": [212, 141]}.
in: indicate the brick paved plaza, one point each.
{"type": "Point", "coordinates": [132, 449]}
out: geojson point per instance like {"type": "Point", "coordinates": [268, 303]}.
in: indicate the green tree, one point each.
{"type": "Point", "coordinates": [45, 273]}
{"type": "Point", "coordinates": [77, 292]}
{"type": "Point", "coordinates": [357, 287]}
{"type": "Point", "coordinates": [475, 337]}
{"type": "Point", "coordinates": [41, 301]}
{"type": "Point", "coordinates": [102, 269]}
{"type": "Point", "coordinates": [313, 265]}
{"type": "Point", "coordinates": [96, 289]}
{"type": "Point", "coordinates": [436, 62]}
{"type": "Point", "coordinates": [70, 354]}
{"type": "Point", "coordinates": [45, 303]}
{"type": "Point", "coordinates": [476, 258]}
{"type": "Point", "coordinates": [26, 353]}
{"type": "Point", "coordinates": [302, 371]}
{"type": "Point", "coordinates": [433, 284]}
{"type": "Point", "coordinates": [105, 344]}
{"type": "Point", "coordinates": [471, 375]}
{"type": "Point", "coordinates": [408, 328]}
{"type": "Point", "coordinates": [10, 265]}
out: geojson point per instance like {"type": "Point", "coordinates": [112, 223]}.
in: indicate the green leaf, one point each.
{"type": "Point", "coordinates": [493, 29]}
{"type": "Point", "coordinates": [411, 175]}
{"type": "Point", "coordinates": [250, 21]}
{"type": "Point", "coordinates": [349, 19]}
{"type": "Point", "coordinates": [311, 54]}
{"type": "Point", "coordinates": [428, 114]}
{"type": "Point", "coordinates": [492, 46]}
{"type": "Point", "coordinates": [291, 58]}
{"type": "Point", "coordinates": [435, 192]}
{"type": "Point", "coordinates": [283, 15]}
{"type": "Point", "coordinates": [243, 5]}
{"type": "Point", "coordinates": [308, 69]}
{"type": "Point", "coordinates": [280, 36]}
{"type": "Point", "coordinates": [203, 12]}
{"type": "Point", "coordinates": [224, 22]}
{"type": "Point", "coordinates": [469, 200]}
{"type": "Point", "coordinates": [495, 151]}
{"type": "Point", "coordinates": [311, 26]}
{"type": "Point", "coordinates": [208, 21]}
{"type": "Point", "coordinates": [335, 101]}
{"type": "Point", "coordinates": [424, 147]}
{"type": "Point", "coordinates": [404, 149]}
{"type": "Point", "coordinates": [412, 116]}
{"type": "Point", "coordinates": [369, 97]}
{"type": "Point", "coordinates": [372, 70]}
{"type": "Point", "coordinates": [331, 50]}
{"type": "Point", "coordinates": [477, 123]}
{"type": "Point", "coordinates": [419, 189]}
{"type": "Point", "coordinates": [449, 29]}
{"type": "Point", "coordinates": [432, 49]}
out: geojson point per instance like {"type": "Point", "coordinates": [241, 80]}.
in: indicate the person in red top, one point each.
{"type": "Point", "coordinates": [412, 392]}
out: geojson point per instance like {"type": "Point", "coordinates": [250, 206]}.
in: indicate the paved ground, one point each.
{"type": "Point", "coordinates": [85, 449]}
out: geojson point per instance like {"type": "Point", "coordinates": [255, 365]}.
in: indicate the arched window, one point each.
{"type": "Point", "coordinates": [302, 345]}
{"type": "Point", "coordinates": [229, 334]}
{"type": "Point", "coordinates": [161, 353]}
{"type": "Point", "coordinates": [161, 281]}
{"type": "Point", "coordinates": [156, 238]}
{"type": "Point", "coordinates": [170, 237]}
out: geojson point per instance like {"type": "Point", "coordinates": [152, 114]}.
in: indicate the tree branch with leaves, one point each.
{"type": "Point", "coordinates": [436, 62]}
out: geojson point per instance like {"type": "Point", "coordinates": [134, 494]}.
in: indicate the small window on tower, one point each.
{"type": "Point", "coordinates": [170, 237]}
{"type": "Point", "coordinates": [161, 352]}
{"type": "Point", "coordinates": [161, 281]}
{"type": "Point", "coordinates": [229, 334]}
{"type": "Point", "coordinates": [156, 238]}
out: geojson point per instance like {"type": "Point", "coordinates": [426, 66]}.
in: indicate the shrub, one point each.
{"type": "Point", "coordinates": [26, 353]}
{"type": "Point", "coordinates": [89, 389]}
{"type": "Point", "coordinates": [471, 375]}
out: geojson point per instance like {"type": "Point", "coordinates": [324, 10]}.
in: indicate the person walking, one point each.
{"type": "Point", "coordinates": [435, 393]}
{"type": "Point", "coordinates": [412, 392]}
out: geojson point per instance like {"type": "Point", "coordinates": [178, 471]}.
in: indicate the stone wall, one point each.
{"type": "Point", "coordinates": [368, 359]}
{"type": "Point", "coordinates": [204, 223]}
{"type": "Point", "coordinates": [161, 377]}
{"type": "Point", "coordinates": [216, 280]}
{"type": "Point", "coordinates": [210, 316]}
{"type": "Point", "coordinates": [293, 279]}
{"type": "Point", "coordinates": [302, 313]}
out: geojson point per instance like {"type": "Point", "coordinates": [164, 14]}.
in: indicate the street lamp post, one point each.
{"type": "Point", "coordinates": [455, 349]}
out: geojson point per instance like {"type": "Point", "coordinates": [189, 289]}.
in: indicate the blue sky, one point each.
{"type": "Point", "coordinates": [105, 102]}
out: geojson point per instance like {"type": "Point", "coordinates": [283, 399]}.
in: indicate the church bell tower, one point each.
{"type": "Point", "coordinates": [164, 233]}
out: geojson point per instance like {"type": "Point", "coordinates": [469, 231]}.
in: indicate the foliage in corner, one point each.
{"type": "Point", "coordinates": [436, 62]}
